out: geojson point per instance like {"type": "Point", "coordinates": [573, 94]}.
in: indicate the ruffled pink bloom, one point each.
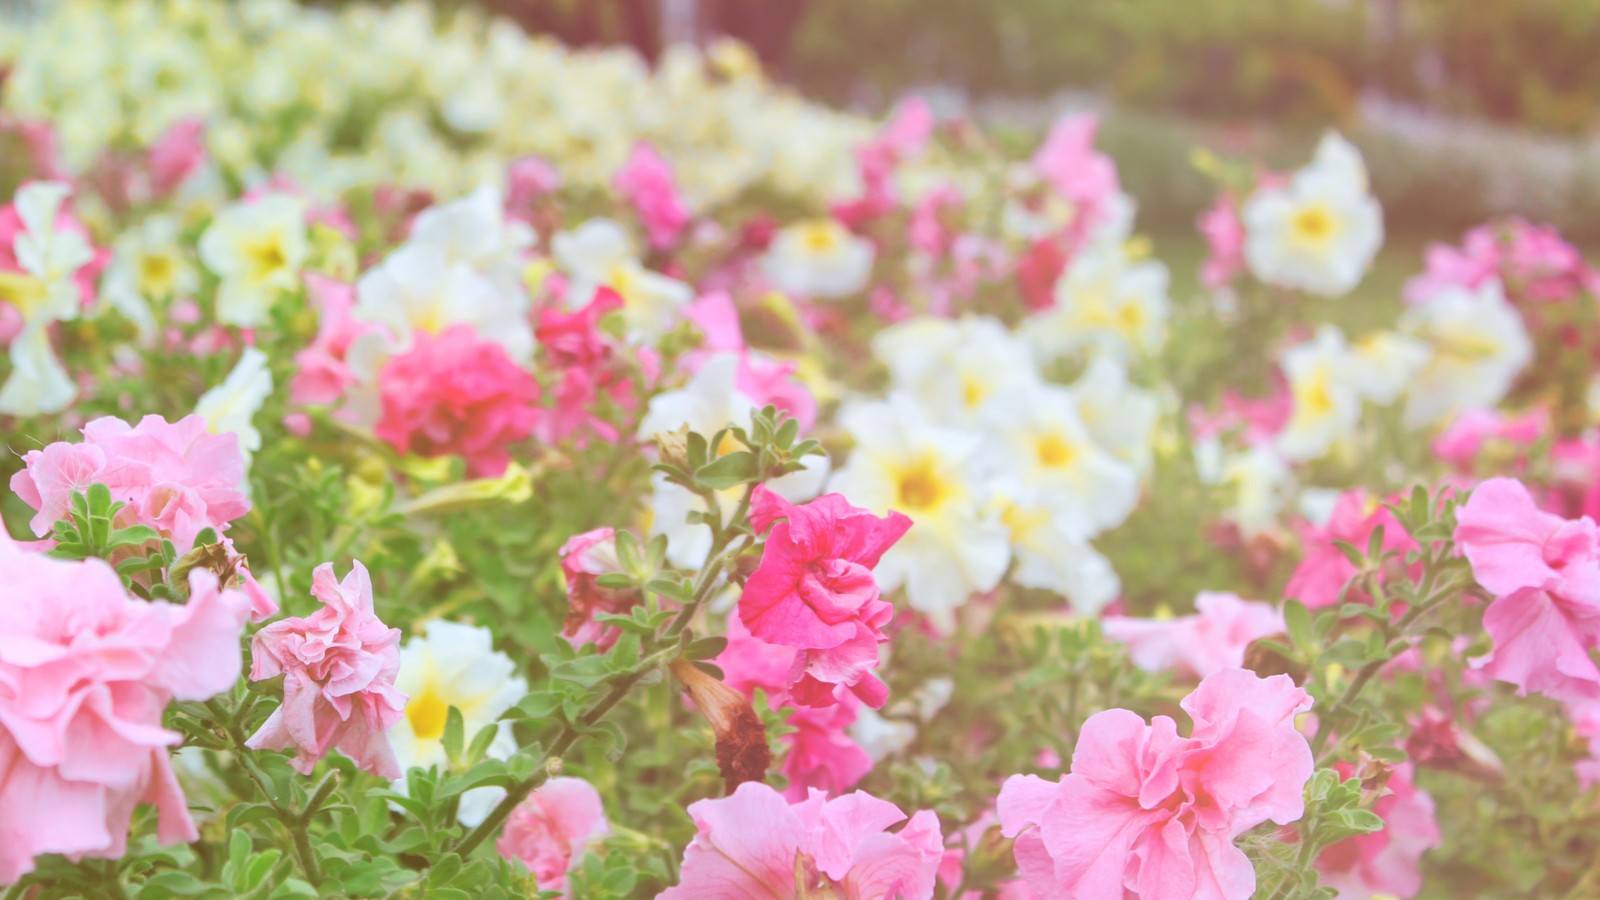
{"type": "Point", "coordinates": [584, 558]}
{"type": "Point", "coordinates": [1224, 234]}
{"type": "Point", "coordinates": [588, 366]}
{"type": "Point", "coordinates": [821, 754]}
{"type": "Point", "coordinates": [1384, 862]}
{"type": "Point", "coordinates": [814, 590]}
{"type": "Point", "coordinates": [1545, 573]}
{"type": "Point", "coordinates": [323, 375]}
{"type": "Point", "coordinates": [1082, 175]}
{"type": "Point", "coordinates": [85, 674]}
{"type": "Point", "coordinates": [339, 665]}
{"type": "Point", "coordinates": [1213, 638]}
{"type": "Point", "coordinates": [646, 182]}
{"type": "Point", "coordinates": [1324, 570]}
{"type": "Point", "coordinates": [1148, 813]}
{"type": "Point", "coordinates": [456, 393]}
{"type": "Point", "coordinates": [756, 844]}
{"type": "Point", "coordinates": [549, 831]}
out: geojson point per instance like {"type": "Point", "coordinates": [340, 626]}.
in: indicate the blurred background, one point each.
{"type": "Point", "coordinates": [1465, 109]}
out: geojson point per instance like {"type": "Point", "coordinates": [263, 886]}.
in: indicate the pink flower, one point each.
{"type": "Point", "coordinates": [1533, 262]}
{"type": "Point", "coordinates": [903, 137]}
{"type": "Point", "coordinates": [1224, 234]}
{"type": "Point", "coordinates": [339, 665]}
{"type": "Point", "coordinates": [584, 558]}
{"type": "Point", "coordinates": [821, 752]}
{"type": "Point", "coordinates": [589, 370]}
{"type": "Point", "coordinates": [175, 477]}
{"type": "Point", "coordinates": [1464, 441]}
{"type": "Point", "coordinates": [1545, 573]}
{"type": "Point", "coordinates": [760, 378]}
{"type": "Point", "coordinates": [178, 153]}
{"type": "Point", "coordinates": [85, 674]}
{"type": "Point", "coordinates": [324, 375]}
{"type": "Point", "coordinates": [457, 393]}
{"type": "Point", "coordinates": [755, 844]}
{"type": "Point", "coordinates": [1212, 639]}
{"type": "Point", "coordinates": [814, 590]}
{"type": "Point", "coordinates": [645, 181]}
{"type": "Point", "coordinates": [528, 179]}
{"type": "Point", "coordinates": [549, 831]}
{"type": "Point", "coordinates": [1387, 861]}
{"type": "Point", "coordinates": [1082, 175]}
{"type": "Point", "coordinates": [1147, 813]}
{"type": "Point", "coordinates": [1323, 571]}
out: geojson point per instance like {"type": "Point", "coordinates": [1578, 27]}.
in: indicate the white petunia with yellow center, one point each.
{"type": "Point", "coordinates": [599, 254]}
{"type": "Point", "coordinates": [957, 545]}
{"type": "Point", "coordinates": [1120, 416]}
{"type": "Point", "coordinates": [820, 259]}
{"type": "Point", "coordinates": [474, 231]}
{"type": "Point", "coordinates": [1325, 405]}
{"type": "Point", "coordinates": [454, 665]}
{"type": "Point", "coordinates": [256, 247]}
{"type": "Point", "coordinates": [955, 369]}
{"type": "Point", "coordinates": [1049, 555]}
{"type": "Point", "coordinates": [1320, 231]}
{"type": "Point", "coordinates": [1479, 344]}
{"type": "Point", "coordinates": [148, 266]}
{"type": "Point", "coordinates": [1383, 363]}
{"type": "Point", "coordinates": [710, 402]}
{"type": "Point", "coordinates": [418, 289]}
{"type": "Point", "coordinates": [44, 292]}
{"type": "Point", "coordinates": [231, 406]}
{"type": "Point", "coordinates": [1106, 300]}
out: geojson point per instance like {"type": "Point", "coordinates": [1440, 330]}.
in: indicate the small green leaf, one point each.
{"type": "Point", "coordinates": [735, 468]}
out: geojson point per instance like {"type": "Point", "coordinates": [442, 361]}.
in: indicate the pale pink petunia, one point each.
{"type": "Point", "coordinates": [646, 182]}
{"type": "Point", "coordinates": [1147, 813]}
{"type": "Point", "coordinates": [550, 831]}
{"type": "Point", "coordinates": [457, 393]}
{"type": "Point", "coordinates": [85, 674]}
{"type": "Point", "coordinates": [1464, 442]}
{"type": "Point", "coordinates": [1545, 574]}
{"type": "Point", "coordinates": [1082, 175]}
{"type": "Point", "coordinates": [1386, 862]}
{"type": "Point", "coordinates": [584, 559]}
{"type": "Point", "coordinates": [339, 666]}
{"type": "Point", "coordinates": [178, 153]}
{"type": "Point", "coordinates": [1224, 233]}
{"type": "Point", "coordinates": [761, 379]}
{"type": "Point", "coordinates": [754, 843]}
{"type": "Point", "coordinates": [814, 590]}
{"type": "Point", "coordinates": [1324, 569]}
{"type": "Point", "coordinates": [322, 374]}
{"type": "Point", "coordinates": [1213, 638]}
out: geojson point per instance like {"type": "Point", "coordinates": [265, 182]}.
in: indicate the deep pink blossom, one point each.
{"type": "Point", "coordinates": [646, 182]}
{"type": "Point", "coordinates": [323, 375]}
{"type": "Point", "coordinates": [339, 665]}
{"type": "Point", "coordinates": [814, 590]}
{"type": "Point", "coordinates": [1224, 234]}
{"type": "Point", "coordinates": [1324, 569]}
{"type": "Point", "coordinates": [903, 137]}
{"type": "Point", "coordinates": [456, 393]}
{"type": "Point", "coordinates": [549, 831]}
{"type": "Point", "coordinates": [85, 674]}
{"type": "Point", "coordinates": [1545, 574]}
{"type": "Point", "coordinates": [588, 367]}
{"type": "Point", "coordinates": [1384, 862]}
{"type": "Point", "coordinates": [1533, 262]}
{"type": "Point", "coordinates": [1147, 813]}
{"type": "Point", "coordinates": [756, 844]}
{"type": "Point", "coordinates": [1213, 638]}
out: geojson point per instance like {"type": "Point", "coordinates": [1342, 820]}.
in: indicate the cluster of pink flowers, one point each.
{"type": "Point", "coordinates": [902, 138]}
{"type": "Point", "coordinates": [587, 366]}
{"type": "Point", "coordinates": [85, 674]}
{"type": "Point", "coordinates": [339, 665]}
{"type": "Point", "coordinates": [1533, 263]}
{"type": "Point", "coordinates": [1215, 637]}
{"type": "Point", "coordinates": [814, 591]}
{"type": "Point", "coordinates": [756, 844]}
{"type": "Point", "coordinates": [456, 393]}
{"type": "Point", "coordinates": [760, 378]}
{"type": "Point", "coordinates": [1324, 571]}
{"type": "Point", "coordinates": [646, 182]}
{"type": "Point", "coordinates": [549, 831]}
{"type": "Point", "coordinates": [584, 558]}
{"type": "Point", "coordinates": [1149, 813]}
{"type": "Point", "coordinates": [1386, 861]}
{"type": "Point", "coordinates": [1224, 233]}
{"type": "Point", "coordinates": [1544, 572]}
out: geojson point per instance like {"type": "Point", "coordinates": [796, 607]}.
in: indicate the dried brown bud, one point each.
{"type": "Point", "coordinates": [1266, 660]}
{"type": "Point", "coordinates": [214, 558]}
{"type": "Point", "coordinates": [742, 752]}
{"type": "Point", "coordinates": [674, 446]}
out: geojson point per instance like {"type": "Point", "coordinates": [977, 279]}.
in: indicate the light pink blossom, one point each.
{"type": "Point", "coordinates": [814, 590]}
{"type": "Point", "coordinates": [646, 182]}
{"type": "Point", "coordinates": [1082, 175]}
{"type": "Point", "coordinates": [1147, 813]}
{"type": "Point", "coordinates": [339, 665]}
{"type": "Point", "coordinates": [85, 674]}
{"type": "Point", "coordinates": [323, 374]}
{"type": "Point", "coordinates": [1213, 638]}
{"type": "Point", "coordinates": [456, 393]}
{"type": "Point", "coordinates": [549, 831]}
{"type": "Point", "coordinates": [1224, 234]}
{"type": "Point", "coordinates": [756, 844]}
{"type": "Point", "coordinates": [584, 558]}
{"type": "Point", "coordinates": [1385, 862]}
{"type": "Point", "coordinates": [1324, 570]}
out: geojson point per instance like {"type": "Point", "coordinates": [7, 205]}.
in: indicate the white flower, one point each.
{"type": "Point", "coordinates": [599, 254]}
{"type": "Point", "coordinates": [1479, 346]}
{"type": "Point", "coordinates": [954, 368]}
{"type": "Point", "coordinates": [1319, 232]}
{"type": "Point", "coordinates": [957, 545]}
{"type": "Point", "coordinates": [1107, 301]}
{"type": "Point", "coordinates": [257, 248]}
{"type": "Point", "coordinates": [148, 265]}
{"type": "Point", "coordinates": [1037, 438]}
{"type": "Point", "coordinates": [1259, 481]}
{"type": "Point", "coordinates": [1383, 363]}
{"type": "Point", "coordinates": [1120, 417]}
{"type": "Point", "coordinates": [818, 258]}
{"type": "Point", "coordinates": [1326, 407]}
{"type": "Point", "coordinates": [231, 405]}
{"type": "Point", "coordinates": [454, 665]}
{"type": "Point", "coordinates": [43, 292]}
{"type": "Point", "coordinates": [1050, 556]}
{"type": "Point", "coordinates": [474, 230]}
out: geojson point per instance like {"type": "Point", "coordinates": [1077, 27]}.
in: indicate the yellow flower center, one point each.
{"type": "Point", "coordinates": [1314, 396]}
{"type": "Point", "coordinates": [1054, 451]}
{"type": "Point", "coordinates": [919, 487]}
{"type": "Point", "coordinates": [24, 292]}
{"type": "Point", "coordinates": [972, 391]}
{"type": "Point", "coordinates": [156, 274]}
{"type": "Point", "coordinates": [819, 237]}
{"type": "Point", "coordinates": [427, 713]}
{"type": "Point", "coordinates": [1313, 225]}
{"type": "Point", "coordinates": [264, 257]}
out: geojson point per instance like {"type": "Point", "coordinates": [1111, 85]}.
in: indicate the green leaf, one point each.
{"type": "Point", "coordinates": [733, 469]}
{"type": "Point", "coordinates": [1298, 620]}
{"type": "Point", "coordinates": [454, 738]}
{"type": "Point", "coordinates": [706, 647]}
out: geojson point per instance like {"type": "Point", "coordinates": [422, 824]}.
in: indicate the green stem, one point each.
{"type": "Point", "coordinates": [293, 822]}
